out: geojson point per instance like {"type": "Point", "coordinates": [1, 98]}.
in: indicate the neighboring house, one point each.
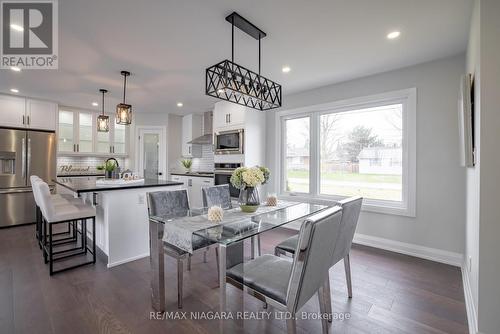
{"type": "Point", "coordinates": [380, 160]}
{"type": "Point", "coordinates": [297, 158]}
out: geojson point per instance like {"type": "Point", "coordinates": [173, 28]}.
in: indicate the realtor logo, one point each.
{"type": "Point", "coordinates": [29, 38]}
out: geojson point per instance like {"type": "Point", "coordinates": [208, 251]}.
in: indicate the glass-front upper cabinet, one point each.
{"type": "Point", "coordinates": [66, 142]}
{"type": "Point", "coordinates": [78, 135]}
{"type": "Point", "coordinates": [85, 133]}
{"type": "Point", "coordinates": [120, 139]}
{"type": "Point", "coordinates": [103, 142]}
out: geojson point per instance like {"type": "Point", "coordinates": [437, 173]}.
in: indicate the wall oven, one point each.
{"type": "Point", "coordinates": [222, 175]}
{"type": "Point", "coordinates": [229, 142]}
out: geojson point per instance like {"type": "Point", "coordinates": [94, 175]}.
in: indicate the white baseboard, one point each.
{"type": "Point", "coordinates": [469, 301]}
{"type": "Point", "coordinates": [433, 254]}
{"type": "Point", "coordinates": [117, 263]}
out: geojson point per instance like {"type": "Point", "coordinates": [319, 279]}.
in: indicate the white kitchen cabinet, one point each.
{"type": "Point", "coordinates": [191, 129]}
{"type": "Point", "coordinates": [193, 185]}
{"type": "Point", "coordinates": [20, 112]}
{"type": "Point", "coordinates": [41, 114]}
{"type": "Point", "coordinates": [12, 111]}
{"type": "Point", "coordinates": [228, 115]}
{"type": "Point", "coordinates": [78, 135]}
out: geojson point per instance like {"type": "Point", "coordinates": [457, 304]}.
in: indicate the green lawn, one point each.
{"type": "Point", "coordinates": [373, 184]}
{"type": "Point", "coordinates": [344, 176]}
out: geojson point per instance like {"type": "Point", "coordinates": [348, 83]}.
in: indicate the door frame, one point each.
{"type": "Point", "coordinates": [162, 151]}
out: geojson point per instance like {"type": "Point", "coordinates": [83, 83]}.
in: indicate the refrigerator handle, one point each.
{"type": "Point", "coordinates": [29, 155]}
{"type": "Point", "coordinates": [23, 157]}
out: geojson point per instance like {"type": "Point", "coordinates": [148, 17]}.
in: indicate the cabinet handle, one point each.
{"type": "Point", "coordinates": [189, 149]}
{"type": "Point", "coordinates": [74, 147]}
{"type": "Point", "coordinates": [28, 119]}
{"type": "Point", "coordinates": [229, 115]}
{"type": "Point", "coordinates": [78, 147]}
{"type": "Point", "coordinates": [23, 119]}
{"type": "Point", "coordinates": [110, 149]}
{"type": "Point", "coordinates": [113, 148]}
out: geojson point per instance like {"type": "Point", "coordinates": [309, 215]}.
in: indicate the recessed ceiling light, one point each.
{"type": "Point", "coordinates": [286, 69]}
{"type": "Point", "coordinates": [179, 104]}
{"type": "Point", "coordinates": [95, 104]}
{"type": "Point", "coordinates": [15, 69]}
{"type": "Point", "coordinates": [393, 34]}
{"type": "Point", "coordinates": [16, 27]}
{"type": "Point", "coordinates": [14, 90]}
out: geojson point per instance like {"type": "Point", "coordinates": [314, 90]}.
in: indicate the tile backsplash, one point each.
{"type": "Point", "coordinates": [81, 165]}
{"type": "Point", "coordinates": [203, 164]}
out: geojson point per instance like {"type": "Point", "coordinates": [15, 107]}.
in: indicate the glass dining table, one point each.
{"type": "Point", "coordinates": [228, 236]}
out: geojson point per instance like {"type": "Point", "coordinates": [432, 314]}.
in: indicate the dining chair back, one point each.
{"type": "Point", "coordinates": [217, 195]}
{"type": "Point", "coordinates": [316, 247]}
{"type": "Point", "coordinates": [169, 202]}
{"type": "Point", "coordinates": [351, 208]}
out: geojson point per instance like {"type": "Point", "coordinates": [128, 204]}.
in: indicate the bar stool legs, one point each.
{"type": "Point", "coordinates": [51, 256]}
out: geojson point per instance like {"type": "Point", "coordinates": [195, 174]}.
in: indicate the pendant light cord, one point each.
{"type": "Point", "coordinates": [124, 86]}
{"type": "Point", "coordinates": [103, 103]}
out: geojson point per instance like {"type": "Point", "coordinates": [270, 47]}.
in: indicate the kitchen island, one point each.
{"type": "Point", "coordinates": [122, 227]}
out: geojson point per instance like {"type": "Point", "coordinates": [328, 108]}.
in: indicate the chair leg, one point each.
{"type": "Point", "coordinates": [93, 240]}
{"type": "Point", "coordinates": [258, 245]}
{"type": "Point", "coordinates": [180, 275]}
{"type": "Point", "coordinates": [51, 259]}
{"type": "Point", "coordinates": [218, 264]}
{"type": "Point", "coordinates": [44, 241]}
{"type": "Point", "coordinates": [189, 262]}
{"type": "Point", "coordinates": [291, 326]}
{"type": "Point", "coordinates": [252, 247]}
{"type": "Point", "coordinates": [347, 267]}
{"type": "Point", "coordinates": [322, 309]}
{"type": "Point", "coordinates": [328, 298]}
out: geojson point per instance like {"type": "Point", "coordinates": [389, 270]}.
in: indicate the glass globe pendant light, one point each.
{"type": "Point", "coordinates": [123, 110]}
{"type": "Point", "coordinates": [103, 120]}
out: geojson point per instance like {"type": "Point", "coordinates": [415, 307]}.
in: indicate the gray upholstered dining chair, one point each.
{"type": "Point", "coordinates": [175, 203]}
{"type": "Point", "coordinates": [220, 196]}
{"type": "Point", "coordinates": [351, 208]}
{"type": "Point", "coordinates": [288, 285]}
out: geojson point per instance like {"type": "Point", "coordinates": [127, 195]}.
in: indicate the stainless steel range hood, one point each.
{"type": "Point", "coordinates": [207, 138]}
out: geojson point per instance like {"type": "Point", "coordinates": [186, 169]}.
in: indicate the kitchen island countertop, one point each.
{"type": "Point", "coordinates": [81, 185]}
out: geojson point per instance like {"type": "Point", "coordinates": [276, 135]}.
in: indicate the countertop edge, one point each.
{"type": "Point", "coordinates": [125, 187]}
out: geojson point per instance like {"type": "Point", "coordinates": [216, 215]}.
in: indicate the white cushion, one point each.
{"type": "Point", "coordinates": [71, 212]}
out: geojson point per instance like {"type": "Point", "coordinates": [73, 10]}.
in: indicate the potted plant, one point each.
{"type": "Point", "coordinates": [187, 164]}
{"type": "Point", "coordinates": [109, 168]}
{"type": "Point", "coordinates": [247, 180]}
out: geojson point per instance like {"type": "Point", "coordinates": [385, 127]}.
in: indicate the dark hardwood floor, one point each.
{"type": "Point", "coordinates": [392, 293]}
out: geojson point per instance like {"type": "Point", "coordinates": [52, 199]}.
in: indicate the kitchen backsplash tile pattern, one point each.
{"type": "Point", "coordinates": [81, 165]}
{"type": "Point", "coordinates": [203, 164]}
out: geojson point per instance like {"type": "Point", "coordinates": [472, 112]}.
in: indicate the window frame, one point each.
{"type": "Point", "coordinates": [406, 97]}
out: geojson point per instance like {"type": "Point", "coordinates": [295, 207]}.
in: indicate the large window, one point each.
{"type": "Point", "coordinates": [356, 148]}
{"type": "Point", "coordinates": [297, 155]}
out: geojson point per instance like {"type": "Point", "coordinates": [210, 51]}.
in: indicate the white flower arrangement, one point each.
{"type": "Point", "coordinates": [252, 177]}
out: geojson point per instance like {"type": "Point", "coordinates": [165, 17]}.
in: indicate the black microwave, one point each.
{"type": "Point", "coordinates": [229, 142]}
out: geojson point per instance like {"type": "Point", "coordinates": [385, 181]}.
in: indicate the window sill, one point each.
{"type": "Point", "coordinates": [368, 205]}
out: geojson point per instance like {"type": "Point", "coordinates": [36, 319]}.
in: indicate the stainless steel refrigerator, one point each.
{"type": "Point", "coordinates": [23, 153]}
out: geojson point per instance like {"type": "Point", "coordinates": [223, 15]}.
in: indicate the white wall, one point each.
{"type": "Point", "coordinates": [472, 183]}
{"type": "Point", "coordinates": [489, 205]}
{"type": "Point", "coordinates": [440, 217]}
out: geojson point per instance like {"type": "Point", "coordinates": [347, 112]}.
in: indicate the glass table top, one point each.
{"type": "Point", "coordinates": [245, 226]}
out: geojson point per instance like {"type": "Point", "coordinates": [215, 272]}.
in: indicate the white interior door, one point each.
{"type": "Point", "coordinates": [152, 152]}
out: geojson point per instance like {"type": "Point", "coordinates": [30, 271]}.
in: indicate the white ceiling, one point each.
{"type": "Point", "coordinates": [167, 44]}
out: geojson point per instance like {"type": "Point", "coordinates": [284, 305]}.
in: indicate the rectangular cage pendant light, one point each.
{"type": "Point", "coordinates": [234, 83]}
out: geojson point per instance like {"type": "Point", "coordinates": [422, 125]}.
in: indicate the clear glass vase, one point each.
{"type": "Point", "coordinates": [249, 199]}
